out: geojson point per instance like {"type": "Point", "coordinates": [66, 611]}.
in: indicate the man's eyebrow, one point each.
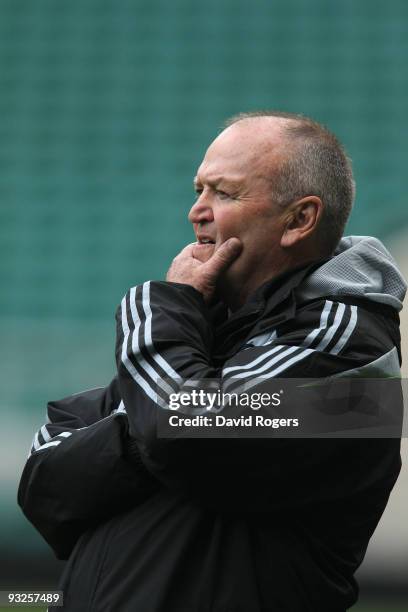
{"type": "Point", "coordinates": [217, 180]}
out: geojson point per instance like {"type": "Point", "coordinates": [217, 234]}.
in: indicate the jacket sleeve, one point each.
{"type": "Point", "coordinates": [165, 338]}
{"type": "Point", "coordinates": [82, 468]}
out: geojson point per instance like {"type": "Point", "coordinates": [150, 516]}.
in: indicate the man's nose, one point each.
{"type": "Point", "coordinates": [201, 210]}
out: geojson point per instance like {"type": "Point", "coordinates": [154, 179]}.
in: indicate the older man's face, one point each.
{"type": "Point", "coordinates": [233, 185]}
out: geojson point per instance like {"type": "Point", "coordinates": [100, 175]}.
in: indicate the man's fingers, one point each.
{"type": "Point", "coordinates": [223, 257]}
{"type": "Point", "coordinates": [188, 250]}
{"type": "Point", "coordinates": [188, 269]}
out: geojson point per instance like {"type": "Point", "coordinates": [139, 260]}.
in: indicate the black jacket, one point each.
{"type": "Point", "coordinates": [159, 524]}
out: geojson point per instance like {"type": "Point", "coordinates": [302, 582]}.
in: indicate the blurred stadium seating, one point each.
{"type": "Point", "coordinates": [106, 109]}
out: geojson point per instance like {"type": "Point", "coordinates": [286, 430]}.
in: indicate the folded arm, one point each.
{"type": "Point", "coordinates": [82, 468]}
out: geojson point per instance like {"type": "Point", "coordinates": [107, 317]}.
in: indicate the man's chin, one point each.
{"type": "Point", "coordinates": [203, 252]}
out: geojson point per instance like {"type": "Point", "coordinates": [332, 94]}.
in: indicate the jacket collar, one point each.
{"type": "Point", "coordinates": [271, 304]}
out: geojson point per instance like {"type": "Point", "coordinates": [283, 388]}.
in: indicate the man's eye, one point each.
{"type": "Point", "coordinates": [223, 195]}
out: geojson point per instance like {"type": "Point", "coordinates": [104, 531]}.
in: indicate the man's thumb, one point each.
{"type": "Point", "coordinates": [224, 256]}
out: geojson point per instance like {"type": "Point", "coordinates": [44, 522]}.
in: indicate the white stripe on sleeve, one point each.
{"type": "Point", "coordinates": [141, 361]}
{"type": "Point", "coordinates": [255, 362]}
{"type": "Point", "coordinates": [129, 365]}
{"type": "Point", "coordinates": [148, 336]}
{"type": "Point", "coordinates": [48, 444]}
{"type": "Point", "coordinates": [347, 332]}
{"type": "Point", "coordinates": [333, 328]}
{"type": "Point", "coordinates": [36, 442]}
{"type": "Point", "coordinates": [45, 434]}
{"type": "Point", "coordinates": [276, 371]}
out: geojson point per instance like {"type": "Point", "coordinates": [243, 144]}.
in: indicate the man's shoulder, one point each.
{"type": "Point", "coordinates": [324, 336]}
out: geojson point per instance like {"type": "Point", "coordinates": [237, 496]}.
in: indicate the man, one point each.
{"type": "Point", "coordinates": [162, 524]}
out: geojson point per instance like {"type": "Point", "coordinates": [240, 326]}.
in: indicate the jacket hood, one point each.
{"type": "Point", "coordinates": [361, 267]}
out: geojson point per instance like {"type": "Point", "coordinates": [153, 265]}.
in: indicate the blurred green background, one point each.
{"type": "Point", "coordinates": [106, 109]}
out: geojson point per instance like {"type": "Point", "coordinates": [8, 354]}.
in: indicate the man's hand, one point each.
{"type": "Point", "coordinates": [189, 268]}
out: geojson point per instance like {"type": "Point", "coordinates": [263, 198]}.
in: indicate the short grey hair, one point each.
{"type": "Point", "coordinates": [316, 164]}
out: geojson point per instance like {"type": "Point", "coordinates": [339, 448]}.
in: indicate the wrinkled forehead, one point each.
{"type": "Point", "coordinates": [247, 148]}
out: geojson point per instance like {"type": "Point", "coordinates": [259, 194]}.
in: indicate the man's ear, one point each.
{"type": "Point", "coordinates": [302, 220]}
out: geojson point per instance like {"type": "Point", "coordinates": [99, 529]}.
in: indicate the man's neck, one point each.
{"type": "Point", "coordinates": [234, 295]}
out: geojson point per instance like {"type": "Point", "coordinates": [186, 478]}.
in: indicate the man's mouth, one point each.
{"type": "Point", "coordinates": [205, 240]}
{"type": "Point", "coordinates": [204, 248]}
